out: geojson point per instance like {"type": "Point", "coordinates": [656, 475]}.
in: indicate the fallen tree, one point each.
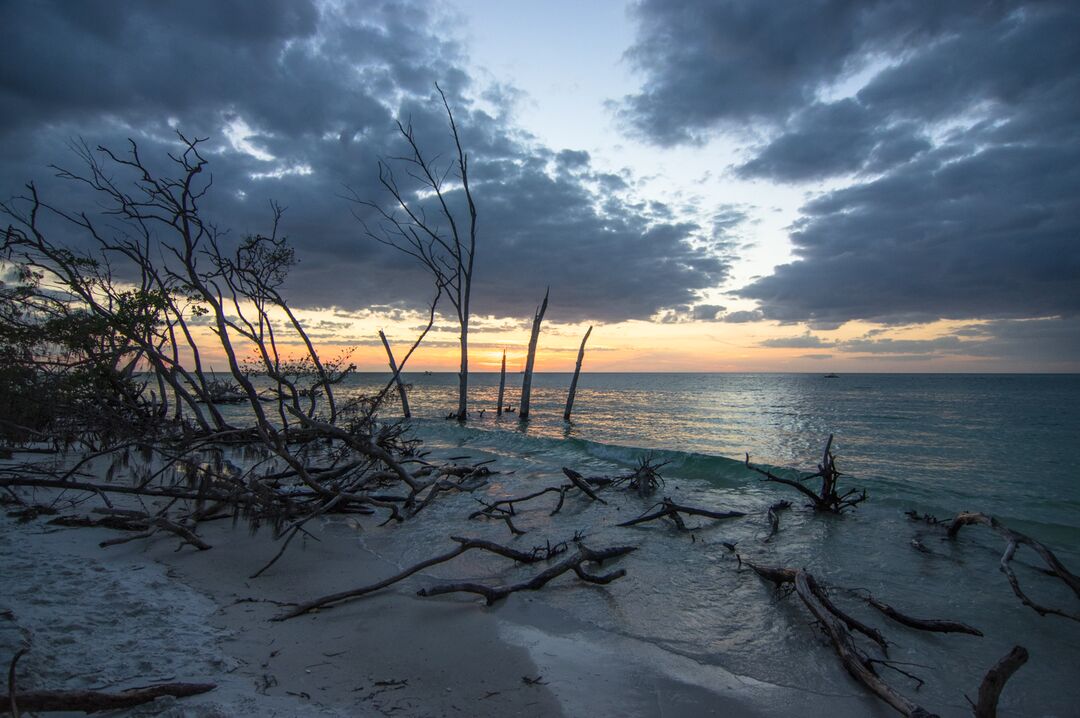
{"type": "Point", "coordinates": [538, 553]}
{"type": "Point", "coordinates": [575, 563]}
{"type": "Point", "coordinates": [1013, 541]}
{"type": "Point", "coordinates": [840, 627]}
{"type": "Point", "coordinates": [671, 510]}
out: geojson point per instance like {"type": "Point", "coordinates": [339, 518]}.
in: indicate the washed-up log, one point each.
{"type": "Point", "coordinates": [573, 382]}
{"type": "Point", "coordinates": [160, 523]}
{"type": "Point", "coordinates": [574, 563]}
{"type": "Point", "coordinates": [829, 497]}
{"type": "Point", "coordinates": [836, 626]}
{"type": "Point", "coordinates": [526, 383]}
{"type": "Point", "coordinates": [502, 385]}
{"type": "Point", "coordinates": [94, 701]}
{"type": "Point", "coordinates": [994, 682]}
{"type": "Point", "coordinates": [579, 481]}
{"type": "Point", "coordinates": [397, 376]}
{"type": "Point", "coordinates": [922, 624]}
{"type": "Point", "coordinates": [670, 509]}
{"type": "Point", "coordinates": [464, 544]}
{"type": "Point", "coordinates": [1013, 540]}
{"type": "Point", "coordinates": [774, 517]}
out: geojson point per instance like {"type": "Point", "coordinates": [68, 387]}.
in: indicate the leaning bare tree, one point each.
{"type": "Point", "coordinates": [447, 253]}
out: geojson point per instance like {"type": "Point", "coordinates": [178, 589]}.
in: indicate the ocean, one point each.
{"type": "Point", "coordinates": [1006, 445]}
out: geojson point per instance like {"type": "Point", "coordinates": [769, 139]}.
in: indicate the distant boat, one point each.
{"type": "Point", "coordinates": [427, 373]}
{"type": "Point", "coordinates": [832, 376]}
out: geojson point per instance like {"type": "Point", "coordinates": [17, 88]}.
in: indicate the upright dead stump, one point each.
{"type": "Point", "coordinates": [526, 384]}
{"type": "Point", "coordinates": [577, 371]}
{"type": "Point", "coordinates": [502, 385]}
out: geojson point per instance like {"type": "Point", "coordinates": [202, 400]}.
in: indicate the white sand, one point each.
{"type": "Point", "coordinates": [143, 612]}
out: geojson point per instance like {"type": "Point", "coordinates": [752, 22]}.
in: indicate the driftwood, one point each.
{"type": "Point", "coordinates": [94, 701]}
{"type": "Point", "coordinates": [836, 625]}
{"type": "Point", "coordinates": [160, 523]}
{"type": "Point", "coordinates": [994, 682]}
{"type": "Point", "coordinates": [922, 624]}
{"type": "Point", "coordinates": [494, 509]}
{"type": "Point", "coordinates": [774, 517]}
{"type": "Point", "coordinates": [526, 383]}
{"type": "Point", "coordinates": [126, 520]}
{"type": "Point", "coordinates": [574, 563]}
{"type": "Point", "coordinates": [645, 479]}
{"type": "Point", "coordinates": [464, 544]}
{"type": "Point", "coordinates": [573, 382]}
{"type": "Point", "coordinates": [579, 481]}
{"type": "Point", "coordinates": [828, 498]}
{"type": "Point", "coordinates": [1013, 540]}
{"type": "Point", "coordinates": [670, 509]}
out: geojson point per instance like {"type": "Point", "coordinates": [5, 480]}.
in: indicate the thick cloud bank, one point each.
{"type": "Point", "coordinates": [952, 127]}
{"type": "Point", "coordinates": [299, 100]}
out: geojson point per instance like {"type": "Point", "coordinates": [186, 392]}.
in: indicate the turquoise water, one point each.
{"type": "Point", "coordinates": [1007, 445]}
{"type": "Point", "coordinates": [1002, 444]}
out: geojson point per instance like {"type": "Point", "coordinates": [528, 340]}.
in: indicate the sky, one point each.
{"type": "Point", "coordinates": [714, 185]}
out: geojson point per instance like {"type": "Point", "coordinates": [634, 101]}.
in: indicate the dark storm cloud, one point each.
{"type": "Point", "coordinates": [743, 316]}
{"type": "Point", "coordinates": [962, 148]}
{"type": "Point", "coordinates": [991, 234]}
{"type": "Point", "coordinates": [318, 86]}
{"type": "Point", "coordinates": [835, 138]}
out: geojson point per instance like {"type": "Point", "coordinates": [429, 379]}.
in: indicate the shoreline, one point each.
{"type": "Point", "coordinates": [143, 612]}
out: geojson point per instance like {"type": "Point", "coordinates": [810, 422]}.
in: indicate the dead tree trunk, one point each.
{"type": "Point", "coordinates": [994, 682]}
{"type": "Point", "coordinates": [94, 701]}
{"type": "Point", "coordinates": [526, 384]}
{"type": "Point", "coordinates": [1013, 541]}
{"type": "Point", "coordinates": [502, 385]}
{"type": "Point", "coordinates": [397, 376]}
{"type": "Point", "coordinates": [577, 371]}
{"type": "Point", "coordinates": [837, 625]}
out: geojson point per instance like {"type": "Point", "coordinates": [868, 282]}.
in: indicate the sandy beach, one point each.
{"type": "Point", "coordinates": [145, 612]}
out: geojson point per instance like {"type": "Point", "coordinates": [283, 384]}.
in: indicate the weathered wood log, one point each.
{"type": "Point", "coordinates": [1013, 540]}
{"type": "Point", "coordinates": [774, 518]}
{"type": "Point", "coordinates": [502, 385]}
{"type": "Point", "coordinates": [160, 523]}
{"type": "Point", "coordinates": [670, 509]}
{"type": "Point", "coordinates": [464, 544]}
{"type": "Point", "coordinates": [922, 624]}
{"type": "Point", "coordinates": [574, 563]}
{"type": "Point", "coordinates": [165, 492]}
{"type": "Point", "coordinates": [994, 682]}
{"type": "Point", "coordinates": [397, 376]}
{"type": "Point", "coordinates": [526, 383]}
{"type": "Point", "coordinates": [94, 701]}
{"type": "Point", "coordinates": [835, 626]}
{"type": "Point", "coordinates": [573, 382]}
{"type": "Point", "coordinates": [12, 685]}
{"type": "Point", "coordinates": [579, 481]}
